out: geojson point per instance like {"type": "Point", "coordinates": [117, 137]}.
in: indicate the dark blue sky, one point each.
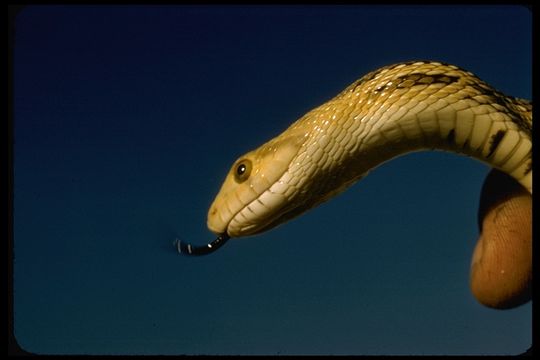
{"type": "Point", "coordinates": [126, 120]}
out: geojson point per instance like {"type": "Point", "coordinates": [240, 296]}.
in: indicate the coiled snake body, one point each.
{"type": "Point", "coordinates": [389, 112]}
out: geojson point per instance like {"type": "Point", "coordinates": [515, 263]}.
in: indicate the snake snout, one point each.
{"type": "Point", "coordinates": [214, 222]}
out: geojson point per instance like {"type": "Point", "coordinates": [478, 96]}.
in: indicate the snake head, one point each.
{"type": "Point", "coordinates": [249, 198]}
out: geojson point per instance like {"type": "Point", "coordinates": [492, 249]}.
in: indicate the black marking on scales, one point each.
{"type": "Point", "coordinates": [507, 102]}
{"type": "Point", "coordinates": [424, 79]}
{"type": "Point", "coordinates": [410, 80]}
{"type": "Point", "coordinates": [495, 141]}
{"type": "Point", "coordinates": [451, 137]}
{"type": "Point", "coordinates": [436, 78]}
{"type": "Point", "coordinates": [528, 169]}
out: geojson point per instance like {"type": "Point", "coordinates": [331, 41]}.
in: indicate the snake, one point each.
{"type": "Point", "coordinates": [394, 110]}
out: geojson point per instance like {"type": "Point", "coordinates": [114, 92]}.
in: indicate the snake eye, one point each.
{"type": "Point", "coordinates": [242, 170]}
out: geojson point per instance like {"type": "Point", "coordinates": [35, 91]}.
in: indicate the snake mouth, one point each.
{"type": "Point", "coordinates": [278, 216]}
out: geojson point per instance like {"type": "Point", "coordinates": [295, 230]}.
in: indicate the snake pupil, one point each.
{"type": "Point", "coordinates": [241, 169]}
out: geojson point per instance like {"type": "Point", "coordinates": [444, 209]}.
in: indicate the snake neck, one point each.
{"type": "Point", "coordinates": [414, 107]}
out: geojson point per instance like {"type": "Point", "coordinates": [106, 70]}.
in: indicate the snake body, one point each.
{"type": "Point", "coordinates": [391, 111]}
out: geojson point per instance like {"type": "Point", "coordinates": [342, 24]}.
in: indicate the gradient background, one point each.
{"type": "Point", "coordinates": [126, 120]}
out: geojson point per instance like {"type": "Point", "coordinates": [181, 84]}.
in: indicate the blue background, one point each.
{"type": "Point", "coordinates": [126, 120]}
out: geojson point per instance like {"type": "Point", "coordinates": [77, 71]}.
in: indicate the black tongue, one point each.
{"type": "Point", "coordinates": [188, 249]}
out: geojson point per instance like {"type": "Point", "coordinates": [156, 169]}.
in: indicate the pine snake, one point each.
{"type": "Point", "coordinates": [391, 111]}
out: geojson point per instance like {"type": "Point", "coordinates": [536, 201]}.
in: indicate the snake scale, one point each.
{"type": "Point", "coordinates": [405, 107]}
